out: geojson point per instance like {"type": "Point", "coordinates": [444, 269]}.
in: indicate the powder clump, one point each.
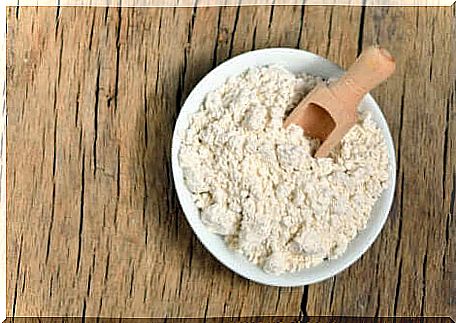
{"type": "Point", "coordinates": [257, 184]}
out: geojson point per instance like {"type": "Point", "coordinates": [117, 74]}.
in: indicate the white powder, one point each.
{"type": "Point", "coordinates": [257, 183]}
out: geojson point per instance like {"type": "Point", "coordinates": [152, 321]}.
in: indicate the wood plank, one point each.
{"type": "Point", "coordinates": [106, 228]}
{"type": "Point", "coordinates": [405, 272]}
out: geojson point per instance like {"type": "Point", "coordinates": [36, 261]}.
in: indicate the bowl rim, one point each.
{"type": "Point", "coordinates": [294, 281]}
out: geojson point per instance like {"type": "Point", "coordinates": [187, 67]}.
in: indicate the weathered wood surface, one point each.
{"type": "Point", "coordinates": [94, 225]}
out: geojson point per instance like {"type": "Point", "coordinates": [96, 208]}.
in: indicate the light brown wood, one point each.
{"type": "Point", "coordinates": [94, 225]}
{"type": "Point", "coordinates": [406, 271]}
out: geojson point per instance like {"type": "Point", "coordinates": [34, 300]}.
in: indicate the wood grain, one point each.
{"type": "Point", "coordinates": [405, 272]}
{"type": "Point", "coordinates": [94, 225]}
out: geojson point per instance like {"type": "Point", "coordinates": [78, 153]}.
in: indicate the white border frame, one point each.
{"type": "Point", "coordinates": [208, 3]}
{"type": "Point", "coordinates": [131, 3]}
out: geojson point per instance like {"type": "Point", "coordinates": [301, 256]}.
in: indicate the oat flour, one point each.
{"type": "Point", "coordinates": [258, 185]}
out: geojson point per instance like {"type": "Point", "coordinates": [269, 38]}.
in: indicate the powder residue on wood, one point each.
{"type": "Point", "coordinates": [257, 184]}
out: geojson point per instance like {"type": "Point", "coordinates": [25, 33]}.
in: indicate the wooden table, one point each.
{"type": "Point", "coordinates": [94, 224]}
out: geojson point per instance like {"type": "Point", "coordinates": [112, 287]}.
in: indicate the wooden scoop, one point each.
{"type": "Point", "coordinates": [329, 111]}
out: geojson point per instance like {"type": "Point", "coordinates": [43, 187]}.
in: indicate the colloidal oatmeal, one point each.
{"type": "Point", "coordinates": [257, 184]}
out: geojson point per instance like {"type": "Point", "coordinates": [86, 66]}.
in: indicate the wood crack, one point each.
{"type": "Point", "coordinates": [116, 209]}
{"type": "Point", "coordinates": [401, 121]}
{"type": "Point", "coordinates": [18, 271]}
{"type": "Point", "coordinates": [89, 284]}
{"type": "Point", "coordinates": [144, 154]}
{"type": "Point", "coordinates": [84, 308]}
{"type": "Point", "coordinates": [145, 292]}
{"type": "Point", "coordinates": [57, 18]}
{"type": "Point", "coordinates": [100, 307]}
{"type": "Point", "coordinates": [54, 169]}
{"type": "Point", "coordinates": [76, 115]}
{"type": "Point", "coordinates": [304, 301]}
{"type": "Point", "coordinates": [328, 41]}
{"type": "Point", "coordinates": [118, 30]}
{"type": "Point", "coordinates": [190, 258]}
{"type": "Point", "coordinates": [91, 31]}
{"type": "Point", "coordinates": [236, 20]}
{"type": "Point", "coordinates": [59, 65]}
{"type": "Point", "coordinates": [423, 291]}
{"type": "Point", "coordinates": [206, 309]}
{"type": "Point", "coordinates": [447, 235]}
{"type": "Point", "coordinates": [432, 49]}
{"type": "Point", "coordinates": [400, 168]}
{"type": "Point", "coordinates": [181, 279]}
{"type": "Point", "coordinates": [361, 27]}
{"type": "Point", "coordinates": [399, 231]}
{"type": "Point", "coordinates": [271, 15]}
{"type": "Point", "coordinates": [106, 273]}
{"type": "Point", "coordinates": [157, 78]}
{"type": "Point", "coordinates": [106, 14]}
{"type": "Point", "coordinates": [301, 26]}
{"type": "Point", "coordinates": [50, 286]}
{"type": "Point", "coordinates": [181, 86]}
{"type": "Point", "coordinates": [278, 299]}
{"type": "Point", "coordinates": [132, 280]}
{"type": "Point", "coordinates": [398, 288]}
{"type": "Point", "coordinates": [377, 310]}
{"type": "Point", "coordinates": [254, 38]}
{"type": "Point", "coordinates": [331, 298]}
{"type": "Point", "coordinates": [446, 142]}
{"type": "Point", "coordinates": [95, 119]}
{"type": "Point", "coordinates": [214, 54]}
{"type": "Point", "coordinates": [452, 199]}
{"type": "Point", "coordinates": [81, 215]}
{"type": "Point", "coordinates": [51, 223]}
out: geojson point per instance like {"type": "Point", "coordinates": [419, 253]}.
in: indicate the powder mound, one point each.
{"type": "Point", "coordinates": [257, 184]}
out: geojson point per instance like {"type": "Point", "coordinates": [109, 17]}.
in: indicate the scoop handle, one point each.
{"type": "Point", "coordinates": [371, 68]}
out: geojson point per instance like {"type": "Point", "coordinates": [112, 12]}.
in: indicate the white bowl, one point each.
{"type": "Point", "coordinates": [295, 61]}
